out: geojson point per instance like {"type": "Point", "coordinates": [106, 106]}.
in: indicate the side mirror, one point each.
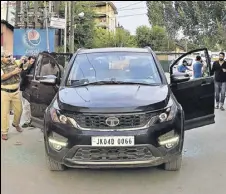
{"type": "Point", "coordinates": [179, 77]}
{"type": "Point", "coordinates": [48, 80]}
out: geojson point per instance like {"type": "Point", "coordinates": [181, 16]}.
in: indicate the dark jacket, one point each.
{"type": "Point", "coordinates": [24, 78]}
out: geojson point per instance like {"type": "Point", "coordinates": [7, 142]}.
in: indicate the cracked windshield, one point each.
{"type": "Point", "coordinates": [114, 67]}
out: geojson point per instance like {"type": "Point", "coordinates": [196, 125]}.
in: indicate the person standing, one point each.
{"type": "Point", "coordinates": [20, 64]}
{"type": "Point", "coordinates": [219, 69]}
{"type": "Point", "coordinates": [197, 67]}
{"type": "Point", "coordinates": [26, 105]}
{"type": "Point", "coordinates": [10, 95]}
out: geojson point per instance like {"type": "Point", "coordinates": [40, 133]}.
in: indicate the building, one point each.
{"type": "Point", "coordinates": [6, 36]}
{"type": "Point", "coordinates": [8, 11]}
{"type": "Point", "coordinates": [106, 13]}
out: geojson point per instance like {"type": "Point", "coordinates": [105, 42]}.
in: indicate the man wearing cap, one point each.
{"type": "Point", "coordinates": [10, 95]}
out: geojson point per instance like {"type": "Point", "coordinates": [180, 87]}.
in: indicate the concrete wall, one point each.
{"type": "Point", "coordinates": [7, 34]}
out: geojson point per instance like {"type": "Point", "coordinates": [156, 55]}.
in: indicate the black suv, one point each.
{"type": "Point", "coordinates": [113, 107]}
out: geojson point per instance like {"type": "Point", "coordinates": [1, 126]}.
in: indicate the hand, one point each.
{"type": "Point", "coordinates": [16, 71]}
{"type": "Point", "coordinates": [224, 70]}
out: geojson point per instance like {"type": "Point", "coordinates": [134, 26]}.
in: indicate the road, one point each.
{"type": "Point", "coordinates": [24, 171]}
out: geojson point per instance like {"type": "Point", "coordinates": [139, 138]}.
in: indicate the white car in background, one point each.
{"type": "Point", "coordinates": [190, 62]}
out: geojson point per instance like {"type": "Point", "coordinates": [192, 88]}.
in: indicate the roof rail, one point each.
{"type": "Point", "coordinates": [79, 49]}
{"type": "Point", "coordinates": [149, 48]}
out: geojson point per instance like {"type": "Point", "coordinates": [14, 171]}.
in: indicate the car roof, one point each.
{"type": "Point", "coordinates": [113, 49]}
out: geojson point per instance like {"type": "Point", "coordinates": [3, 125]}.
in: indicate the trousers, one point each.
{"type": "Point", "coordinates": [220, 89]}
{"type": "Point", "coordinates": [26, 110]}
{"type": "Point", "coordinates": [9, 100]}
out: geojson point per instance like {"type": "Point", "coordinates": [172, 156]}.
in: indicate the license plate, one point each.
{"type": "Point", "coordinates": [112, 141]}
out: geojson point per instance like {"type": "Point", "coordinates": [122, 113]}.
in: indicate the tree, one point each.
{"type": "Point", "coordinates": [163, 14]}
{"type": "Point", "coordinates": [143, 34]}
{"type": "Point", "coordinates": [123, 38]}
{"type": "Point", "coordinates": [155, 37]}
{"type": "Point", "coordinates": [84, 27]}
{"type": "Point", "coordinates": [84, 31]}
{"type": "Point", "coordinates": [197, 19]}
{"type": "Point", "coordinates": [105, 38]}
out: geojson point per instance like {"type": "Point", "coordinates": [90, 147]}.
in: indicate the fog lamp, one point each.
{"type": "Point", "coordinates": [57, 141]}
{"type": "Point", "coordinates": [169, 139]}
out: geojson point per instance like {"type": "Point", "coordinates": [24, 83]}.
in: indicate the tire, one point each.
{"type": "Point", "coordinates": [53, 165]}
{"type": "Point", "coordinates": [173, 165]}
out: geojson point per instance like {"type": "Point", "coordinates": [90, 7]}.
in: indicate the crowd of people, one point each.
{"type": "Point", "coordinates": [14, 80]}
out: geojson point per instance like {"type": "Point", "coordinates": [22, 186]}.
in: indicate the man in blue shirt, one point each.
{"type": "Point", "coordinates": [197, 67]}
{"type": "Point", "coordinates": [183, 67]}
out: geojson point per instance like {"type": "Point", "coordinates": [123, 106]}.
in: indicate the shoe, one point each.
{"type": "Point", "coordinates": [27, 124]}
{"type": "Point", "coordinates": [11, 112]}
{"type": "Point", "coordinates": [4, 137]}
{"type": "Point", "coordinates": [217, 107]}
{"type": "Point", "coordinates": [17, 128]}
{"type": "Point", "coordinates": [222, 108]}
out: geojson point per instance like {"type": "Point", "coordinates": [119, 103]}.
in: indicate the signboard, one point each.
{"type": "Point", "coordinates": [57, 23]}
{"type": "Point", "coordinates": [32, 41]}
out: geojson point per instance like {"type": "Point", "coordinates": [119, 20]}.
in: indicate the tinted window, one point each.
{"type": "Point", "coordinates": [118, 66]}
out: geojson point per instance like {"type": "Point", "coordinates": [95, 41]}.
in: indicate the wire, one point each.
{"type": "Point", "coordinates": [130, 5]}
{"type": "Point", "coordinates": [132, 15]}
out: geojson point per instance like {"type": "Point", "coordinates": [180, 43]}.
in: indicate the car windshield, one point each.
{"type": "Point", "coordinates": [112, 67]}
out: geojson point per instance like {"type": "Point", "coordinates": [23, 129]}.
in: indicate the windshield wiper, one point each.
{"type": "Point", "coordinates": [116, 82]}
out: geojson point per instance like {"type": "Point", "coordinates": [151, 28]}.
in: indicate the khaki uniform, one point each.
{"type": "Point", "coordinates": [10, 98]}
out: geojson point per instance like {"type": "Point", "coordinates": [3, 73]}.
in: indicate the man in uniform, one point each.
{"type": "Point", "coordinates": [10, 95]}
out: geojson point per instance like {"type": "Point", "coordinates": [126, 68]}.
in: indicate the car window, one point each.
{"type": "Point", "coordinates": [47, 66]}
{"type": "Point", "coordinates": [118, 66]}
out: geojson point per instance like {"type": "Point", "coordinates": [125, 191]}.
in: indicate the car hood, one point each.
{"type": "Point", "coordinates": [113, 98]}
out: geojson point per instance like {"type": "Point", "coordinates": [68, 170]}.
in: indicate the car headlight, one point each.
{"type": "Point", "coordinates": [169, 112]}
{"type": "Point", "coordinates": [57, 117]}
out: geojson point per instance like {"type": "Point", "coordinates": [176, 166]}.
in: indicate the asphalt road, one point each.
{"type": "Point", "coordinates": [23, 168]}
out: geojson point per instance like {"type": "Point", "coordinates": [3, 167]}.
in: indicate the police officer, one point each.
{"type": "Point", "coordinates": [10, 94]}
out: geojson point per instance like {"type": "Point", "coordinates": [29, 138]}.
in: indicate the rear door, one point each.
{"type": "Point", "coordinates": [196, 96]}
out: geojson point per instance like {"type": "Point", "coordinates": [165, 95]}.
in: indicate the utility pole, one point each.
{"type": "Point", "coordinates": [65, 30]}
{"type": "Point", "coordinates": [46, 24]}
{"type": "Point", "coordinates": [35, 13]}
{"type": "Point", "coordinates": [72, 27]}
{"type": "Point", "coordinates": [70, 23]}
{"type": "Point", "coordinates": [7, 11]}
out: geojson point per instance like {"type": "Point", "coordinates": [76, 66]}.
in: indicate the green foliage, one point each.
{"type": "Point", "coordinates": [155, 37]}
{"type": "Point", "coordinates": [105, 38]}
{"type": "Point", "coordinates": [202, 22]}
{"type": "Point", "coordinates": [102, 38]}
{"type": "Point", "coordinates": [84, 31]}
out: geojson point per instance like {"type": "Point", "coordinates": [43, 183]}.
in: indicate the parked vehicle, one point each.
{"type": "Point", "coordinates": [190, 61]}
{"type": "Point", "coordinates": [113, 108]}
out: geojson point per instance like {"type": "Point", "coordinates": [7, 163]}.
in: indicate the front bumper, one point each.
{"type": "Point", "coordinates": [155, 158]}
{"type": "Point", "coordinates": [146, 152]}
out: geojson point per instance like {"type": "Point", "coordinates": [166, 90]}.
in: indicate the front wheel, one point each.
{"type": "Point", "coordinates": [174, 165]}
{"type": "Point", "coordinates": [53, 165]}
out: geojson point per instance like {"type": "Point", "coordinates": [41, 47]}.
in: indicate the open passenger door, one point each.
{"type": "Point", "coordinates": [196, 95]}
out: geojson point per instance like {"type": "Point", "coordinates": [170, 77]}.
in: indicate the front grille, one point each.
{"type": "Point", "coordinates": [125, 121]}
{"type": "Point", "coordinates": [112, 154]}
